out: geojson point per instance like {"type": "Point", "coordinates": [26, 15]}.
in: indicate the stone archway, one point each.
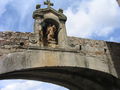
{"type": "Point", "coordinates": [72, 78]}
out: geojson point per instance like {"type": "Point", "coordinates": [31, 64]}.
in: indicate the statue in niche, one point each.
{"type": "Point", "coordinates": [51, 29]}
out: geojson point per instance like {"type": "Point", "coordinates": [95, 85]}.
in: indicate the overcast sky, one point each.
{"type": "Point", "coordinates": [94, 19]}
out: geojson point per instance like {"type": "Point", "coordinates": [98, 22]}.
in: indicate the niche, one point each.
{"type": "Point", "coordinates": [50, 32]}
{"type": "Point", "coordinates": [105, 50]}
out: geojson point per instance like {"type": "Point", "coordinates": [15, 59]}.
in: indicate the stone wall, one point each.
{"type": "Point", "coordinates": [103, 50]}
{"type": "Point", "coordinates": [13, 41]}
{"type": "Point", "coordinates": [93, 54]}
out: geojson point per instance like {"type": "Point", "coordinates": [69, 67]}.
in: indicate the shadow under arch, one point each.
{"type": "Point", "coordinates": [73, 78]}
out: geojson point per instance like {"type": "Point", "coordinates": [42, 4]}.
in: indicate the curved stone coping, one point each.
{"type": "Point", "coordinates": [73, 50]}
{"type": "Point", "coordinates": [45, 58]}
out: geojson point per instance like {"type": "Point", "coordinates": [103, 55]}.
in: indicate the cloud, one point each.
{"type": "Point", "coordinates": [29, 85]}
{"type": "Point", "coordinates": [3, 4]}
{"type": "Point", "coordinates": [16, 15]}
{"type": "Point", "coordinates": [112, 39]}
{"type": "Point", "coordinates": [21, 86]}
{"type": "Point", "coordinates": [97, 18]}
{"type": "Point", "coordinates": [86, 18]}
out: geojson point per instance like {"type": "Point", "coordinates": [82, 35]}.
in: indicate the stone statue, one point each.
{"type": "Point", "coordinates": [51, 32]}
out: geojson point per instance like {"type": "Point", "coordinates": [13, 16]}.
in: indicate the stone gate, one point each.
{"type": "Point", "coordinates": [49, 55]}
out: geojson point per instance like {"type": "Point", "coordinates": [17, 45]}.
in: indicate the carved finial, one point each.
{"type": "Point", "coordinates": [48, 3]}
{"type": "Point", "coordinates": [60, 10]}
{"type": "Point", "coordinates": [38, 6]}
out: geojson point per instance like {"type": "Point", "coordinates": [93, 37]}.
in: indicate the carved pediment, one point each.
{"type": "Point", "coordinates": [42, 12]}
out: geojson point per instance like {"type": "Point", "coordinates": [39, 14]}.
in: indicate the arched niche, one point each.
{"type": "Point", "coordinates": [50, 22]}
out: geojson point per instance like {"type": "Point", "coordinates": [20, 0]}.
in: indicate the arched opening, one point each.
{"type": "Point", "coordinates": [72, 78]}
{"type": "Point", "coordinates": [50, 23]}
{"type": "Point", "coordinates": [20, 84]}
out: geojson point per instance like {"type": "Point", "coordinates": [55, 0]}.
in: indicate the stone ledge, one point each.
{"type": "Point", "coordinates": [52, 49]}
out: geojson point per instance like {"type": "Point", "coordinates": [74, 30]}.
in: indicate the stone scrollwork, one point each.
{"type": "Point", "coordinates": [33, 39]}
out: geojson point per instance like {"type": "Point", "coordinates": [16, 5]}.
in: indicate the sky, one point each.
{"type": "Point", "coordinates": [93, 19]}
